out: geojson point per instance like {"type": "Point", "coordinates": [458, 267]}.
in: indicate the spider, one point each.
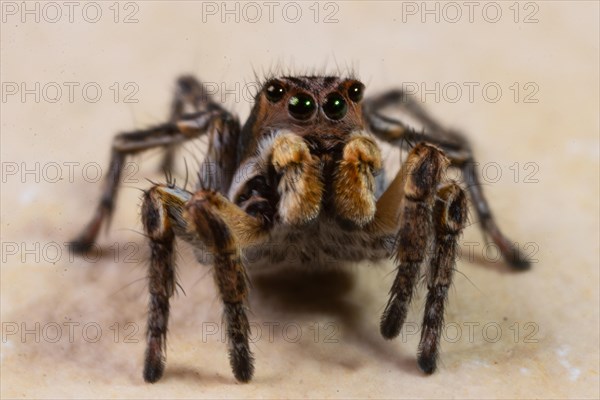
{"type": "Point", "coordinates": [303, 169]}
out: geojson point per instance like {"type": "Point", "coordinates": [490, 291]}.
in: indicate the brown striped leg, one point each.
{"type": "Point", "coordinates": [161, 281]}
{"type": "Point", "coordinates": [207, 215]}
{"type": "Point", "coordinates": [450, 217]}
{"type": "Point", "coordinates": [211, 223]}
{"type": "Point", "coordinates": [414, 191]}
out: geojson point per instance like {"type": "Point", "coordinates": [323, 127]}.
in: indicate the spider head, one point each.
{"type": "Point", "coordinates": [310, 105]}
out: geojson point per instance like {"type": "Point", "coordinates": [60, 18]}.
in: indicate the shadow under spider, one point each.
{"type": "Point", "coordinates": [311, 292]}
{"type": "Point", "coordinates": [288, 293]}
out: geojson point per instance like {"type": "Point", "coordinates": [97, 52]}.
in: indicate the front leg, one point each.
{"type": "Point", "coordinates": [430, 217]}
{"type": "Point", "coordinates": [211, 223]}
{"type": "Point", "coordinates": [161, 277]}
{"type": "Point", "coordinates": [406, 207]}
{"type": "Point", "coordinates": [215, 220]}
{"type": "Point", "coordinates": [449, 219]}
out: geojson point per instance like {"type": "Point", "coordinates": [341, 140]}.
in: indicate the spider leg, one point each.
{"type": "Point", "coordinates": [407, 207]}
{"type": "Point", "coordinates": [189, 94]}
{"type": "Point", "coordinates": [220, 125]}
{"type": "Point", "coordinates": [161, 281]}
{"type": "Point", "coordinates": [211, 223]}
{"type": "Point", "coordinates": [428, 218]}
{"type": "Point", "coordinates": [454, 145]}
{"type": "Point", "coordinates": [449, 219]}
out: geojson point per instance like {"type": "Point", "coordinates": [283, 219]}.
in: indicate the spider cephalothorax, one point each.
{"type": "Point", "coordinates": [303, 170]}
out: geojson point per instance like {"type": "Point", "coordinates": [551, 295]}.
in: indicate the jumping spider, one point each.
{"type": "Point", "coordinates": [303, 169]}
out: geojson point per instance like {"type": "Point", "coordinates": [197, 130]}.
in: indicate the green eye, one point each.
{"type": "Point", "coordinates": [301, 106]}
{"type": "Point", "coordinates": [355, 92]}
{"type": "Point", "coordinates": [275, 92]}
{"type": "Point", "coordinates": [335, 106]}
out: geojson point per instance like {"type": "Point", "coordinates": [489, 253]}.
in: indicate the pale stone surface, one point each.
{"type": "Point", "coordinates": [522, 335]}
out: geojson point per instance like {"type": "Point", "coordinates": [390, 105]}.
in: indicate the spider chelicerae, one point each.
{"type": "Point", "coordinates": [304, 169]}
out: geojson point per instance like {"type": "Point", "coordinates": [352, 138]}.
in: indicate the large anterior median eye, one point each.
{"type": "Point", "coordinates": [301, 106]}
{"type": "Point", "coordinates": [335, 106]}
{"type": "Point", "coordinates": [355, 92]}
{"type": "Point", "coordinates": [275, 92]}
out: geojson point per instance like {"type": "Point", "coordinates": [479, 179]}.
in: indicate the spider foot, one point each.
{"type": "Point", "coordinates": [154, 365]}
{"type": "Point", "coordinates": [80, 246]}
{"type": "Point", "coordinates": [427, 363]}
{"type": "Point", "coordinates": [518, 261]}
{"type": "Point", "coordinates": [391, 322]}
{"type": "Point", "coordinates": [238, 329]}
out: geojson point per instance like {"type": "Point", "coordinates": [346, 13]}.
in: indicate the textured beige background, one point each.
{"type": "Point", "coordinates": [559, 133]}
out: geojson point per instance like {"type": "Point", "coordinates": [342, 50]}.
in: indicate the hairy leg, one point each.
{"type": "Point", "coordinates": [449, 219]}
{"type": "Point", "coordinates": [161, 281]}
{"type": "Point", "coordinates": [454, 145]}
{"type": "Point", "coordinates": [407, 205]}
{"type": "Point", "coordinates": [211, 223]}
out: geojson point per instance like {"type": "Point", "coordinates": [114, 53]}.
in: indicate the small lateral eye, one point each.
{"type": "Point", "coordinates": [335, 106]}
{"type": "Point", "coordinates": [355, 92]}
{"type": "Point", "coordinates": [301, 106]}
{"type": "Point", "coordinates": [275, 92]}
